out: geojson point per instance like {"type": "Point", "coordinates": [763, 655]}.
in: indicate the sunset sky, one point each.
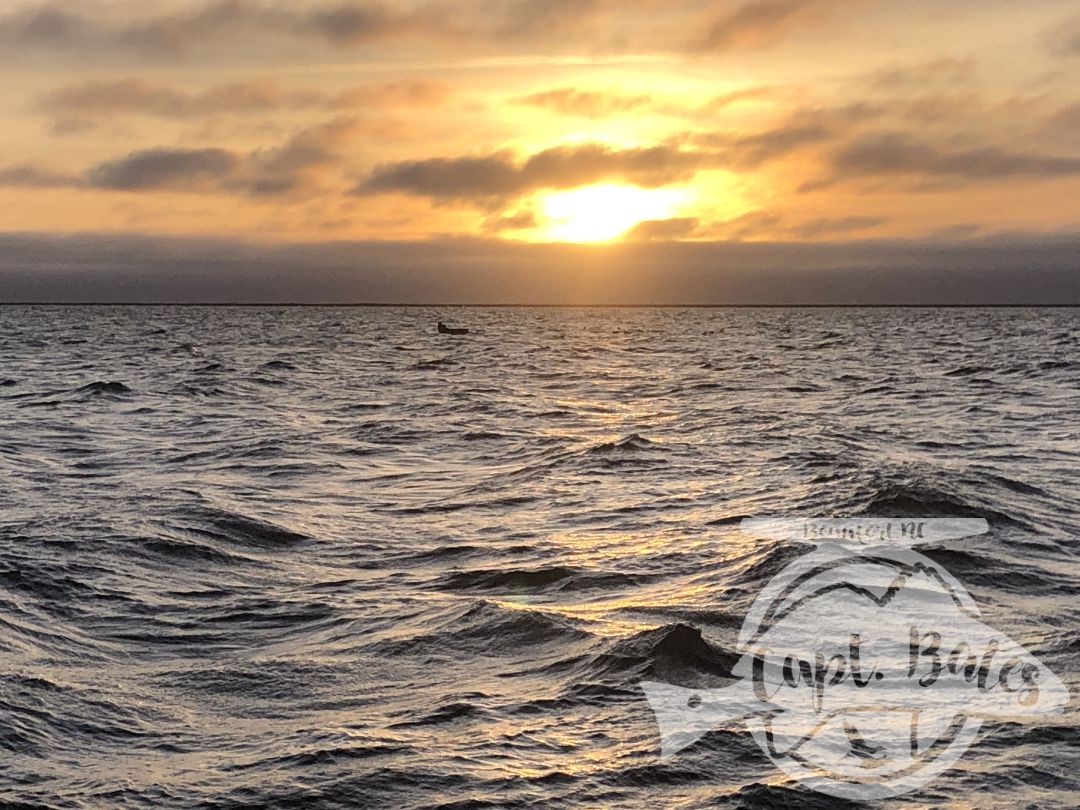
{"type": "Point", "coordinates": [541, 120]}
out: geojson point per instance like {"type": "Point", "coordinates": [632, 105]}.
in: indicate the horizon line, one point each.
{"type": "Point", "coordinates": [505, 305]}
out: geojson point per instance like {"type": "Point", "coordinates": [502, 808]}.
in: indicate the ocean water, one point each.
{"type": "Point", "coordinates": [329, 558]}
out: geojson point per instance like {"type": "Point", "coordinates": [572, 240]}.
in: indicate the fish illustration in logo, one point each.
{"type": "Point", "coordinates": [865, 671]}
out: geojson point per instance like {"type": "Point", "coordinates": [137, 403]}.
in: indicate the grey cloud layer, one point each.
{"type": "Point", "coordinates": [755, 20]}
{"type": "Point", "coordinates": [494, 179]}
{"type": "Point", "coordinates": [501, 176]}
{"type": "Point", "coordinates": [165, 168]}
{"type": "Point", "coordinates": [295, 166]}
{"type": "Point", "coordinates": [1021, 269]}
{"type": "Point", "coordinates": [106, 99]}
{"type": "Point", "coordinates": [900, 154]}
{"type": "Point", "coordinates": [178, 28]}
{"type": "Point", "coordinates": [30, 176]}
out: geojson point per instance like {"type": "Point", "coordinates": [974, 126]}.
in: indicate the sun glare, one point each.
{"type": "Point", "coordinates": [606, 212]}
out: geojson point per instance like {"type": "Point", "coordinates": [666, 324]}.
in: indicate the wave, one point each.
{"type": "Point", "coordinates": [240, 530]}
{"type": "Point", "coordinates": [605, 671]}
{"type": "Point", "coordinates": [449, 507]}
{"type": "Point", "coordinates": [363, 407]}
{"type": "Point", "coordinates": [487, 628]}
{"type": "Point", "coordinates": [443, 715]}
{"type": "Point", "coordinates": [104, 389]}
{"type": "Point", "coordinates": [435, 365]}
{"type": "Point", "coordinates": [391, 432]}
{"type": "Point", "coordinates": [1009, 575]}
{"type": "Point", "coordinates": [1058, 365]}
{"type": "Point", "coordinates": [1014, 485]}
{"type": "Point", "coordinates": [554, 578]}
{"type": "Point", "coordinates": [671, 651]}
{"type": "Point", "coordinates": [760, 795]}
{"type": "Point", "coordinates": [609, 671]}
{"type": "Point", "coordinates": [627, 444]}
{"type": "Point", "coordinates": [64, 716]}
{"type": "Point", "coordinates": [268, 382]}
{"type": "Point", "coordinates": [928, 497]}
{"type": "Point", "coordinates": [728, 520]}
{"type": "Point", "coordinates": [628, 452]}
{"type": "Point", "coordinates": [765, 562]}
{"type": "Point", "coordinates": [200, 391]}
{"type": "Point", "coordinates": [179, 550]}
{"type": "Point", "coordinates": [319, 758]}
{"type": "Point", "coordinates": [730, 619]}
{"type": "Point", "coordinates": [448, 552]}
{"type": "Point", "coordinates": [969, 371]}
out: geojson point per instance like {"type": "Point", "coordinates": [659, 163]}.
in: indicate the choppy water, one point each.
{"type": "Point", "coordinates": [328, 558]}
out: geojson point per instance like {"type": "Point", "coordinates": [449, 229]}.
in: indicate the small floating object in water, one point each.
{"type": "Point", "coordinates": [446, 330]}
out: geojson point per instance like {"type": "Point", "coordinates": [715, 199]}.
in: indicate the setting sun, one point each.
{"type": "Point", "coordinates": [605, 212]}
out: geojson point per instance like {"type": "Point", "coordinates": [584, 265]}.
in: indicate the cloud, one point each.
{"type": "Point", "coordinates": [752, 151]}
{"type": "Point", "coordinates": [753, 225]}
{"type": "Point", "coordinates": [500, 175]}
{"type": "Point", "coordinates": [30, 176]}
{"type": "Point", "coordinates": [774, 225]}
{"type": "Point", "coordinates": [663, 230]}
{"type": "Point", "coordinates": [107, 98]}
{"type": "Point", "coordinates": [532, 18]}
{"type": "Point", "coordinates": [746, 152]}
{"type": "Point", "coordinates": [523, 220]}
{"type": "Point", "coordinates": [350, 23]}
{"type": "Point", "coordinates": [172, 29]}
{"type": "Point", "coordinates": [341, 24]}
{"type": "Point", "coordinates": [832, 226]}
{"type": "Point", "coordinates": [301, 164]}
{"type": "Point", "coordinates": [47, 25]}
{"type": "Point", "coordinates": [757, 23]}
{"type": "Point", "coordinates": [448, 178]}
{"type": "Point", "coordinates": [948, 71]}
{"type": "Point", "coordinates": [494, 177]}
{"type": "Point", "coordinates": [1019, 269]}
{"type": "Point", "coordinates": [1064, 38]}
{"type": "Point", "coordinates": [178, 28]}
{"type": "Point", "coordinates": [725, 100]}
{"type": "Point", "coordinates": [186, 169]}
{"type": "Point", "coordinates": [585, 103]}
{"type": "Point", "coordinates": [302, 161]}
{"type": "Point", "coordinates": [892, 154]}
{"type": "Point", "coordinates": [1068, 117]}
{"type": "Point", "coordinates": [78, 106]}
{"type": "Point", "coordinates": [611, 102]}
{"type": "Point", "coordinates": [405, 93]}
